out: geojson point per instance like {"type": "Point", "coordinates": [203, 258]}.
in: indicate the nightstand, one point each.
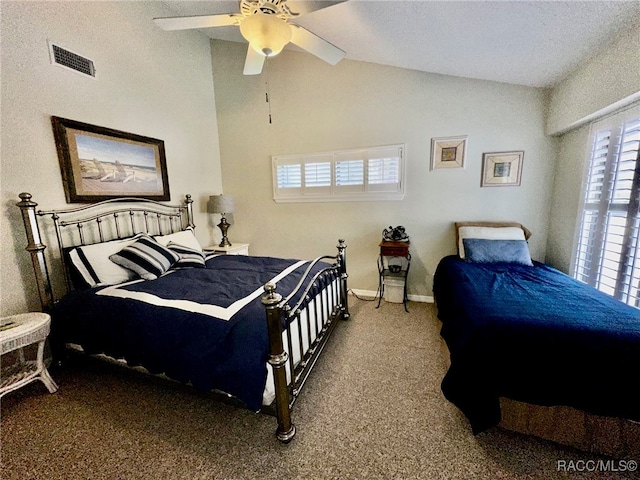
{"type": "Point", "coordinates": [235, 249]}
{"type": "Point", "coordinates": [393, 268]}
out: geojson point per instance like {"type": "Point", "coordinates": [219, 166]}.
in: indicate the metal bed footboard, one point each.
{"type": "Point", "coordinates": [299, 332]}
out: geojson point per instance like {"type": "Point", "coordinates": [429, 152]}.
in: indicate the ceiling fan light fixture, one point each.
{"type": "Point", "coordinates": [267, 34]}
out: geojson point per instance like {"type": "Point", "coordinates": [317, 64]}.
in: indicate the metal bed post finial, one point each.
{"type": "Point", "coordinates": [342, 260]}
{"type": "Point", "coordinates": [278, 359]}
{"type": "Point", "coordinates": [36, 248]}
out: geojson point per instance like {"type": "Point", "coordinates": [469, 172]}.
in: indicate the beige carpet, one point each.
{"type": "Point", "coordinates": [372, 409]}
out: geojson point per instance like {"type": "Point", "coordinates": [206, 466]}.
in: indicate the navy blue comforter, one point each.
{"type": "Point", "coordinates": [206, 326]}
{"type": "Point", "coordinates": [536, 335]}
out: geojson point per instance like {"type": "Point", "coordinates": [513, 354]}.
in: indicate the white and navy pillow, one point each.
{"type": "Point", "coordinates": [487, 233]}
{"type": "Point", "coordinates": [189, 257]}
{"type": "Point", "coordinates": [146, 257]}
{"type": "Point", "coordinates": [482, 250]}
{"type": "Point", "coordinates": [92, 262]}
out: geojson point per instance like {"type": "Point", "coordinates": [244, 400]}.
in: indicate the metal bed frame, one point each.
{"type": "Point", "coordinates": [323, 299]}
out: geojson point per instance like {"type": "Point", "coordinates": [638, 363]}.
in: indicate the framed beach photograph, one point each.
{"type": "Point", "coordinates": [448, 152]}
{"type": "Point", "coordinates": [99, 163]}
{"type": "Point", "coordinates": [502, 169]}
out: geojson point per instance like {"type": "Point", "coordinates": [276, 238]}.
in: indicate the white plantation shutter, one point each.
{"type": "Point", "coordinates": [383, 173]}
{"type": "Point", "coordinates": [608, 248]}
{"type": "Point", "coordinates": [373, 173]}
{"type": "Point", "coordinates": [384, 170]}
{"type": "Point", "coordinates": [349, 172]}
{"type": "Point", "coordinates": [317, 174]}
{"type": "Point", "coordinates": [289, 176]}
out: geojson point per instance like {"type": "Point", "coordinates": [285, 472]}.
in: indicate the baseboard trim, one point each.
{"type": "Point", "coordinates": [421, 298]}
{"type": "Point", "coordinates": [374, 293]}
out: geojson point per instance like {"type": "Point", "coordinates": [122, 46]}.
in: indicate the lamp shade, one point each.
{"type": "Point", "coordinates": [267, 34]}
{"type": "Point", "coordinates": [221, 204]}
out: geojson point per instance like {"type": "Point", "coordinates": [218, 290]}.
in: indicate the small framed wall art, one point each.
{"type": "Point", "coordinates": [99, 163]}
{"type": "Point", "coordinates": [502, 169]}
{"type": "Point", "coordinates": [448, 152]}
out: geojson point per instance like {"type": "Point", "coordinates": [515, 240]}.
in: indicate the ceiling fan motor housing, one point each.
{"type": "Point", "coordinates": [266, 33]}
{"type": "Point", "coordinates": [268, 7]}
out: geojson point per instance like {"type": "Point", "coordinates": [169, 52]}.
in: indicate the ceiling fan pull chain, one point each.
{"type": "Point", "coordinates": [267, 89]}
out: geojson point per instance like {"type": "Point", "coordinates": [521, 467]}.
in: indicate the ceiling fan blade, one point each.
{"type": "Point", "coordinates": [199, 21]}
{"type": "Point", "coordinates": [254, 62]}
{"type": "Point", "coordinates": [316, 45]}
{"type": "Point", "coordinates": [302, 7]}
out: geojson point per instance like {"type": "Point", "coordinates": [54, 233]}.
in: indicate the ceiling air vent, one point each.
{"type": "Point", "coordinates": [65, 58]}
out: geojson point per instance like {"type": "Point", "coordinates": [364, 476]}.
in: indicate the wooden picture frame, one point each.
{"type": "Point", "coordinates": [99, 163]}
{"type": "Point", "coordinates": [448, 152]}
{"type": "Point", "coordinates": [502, 169]}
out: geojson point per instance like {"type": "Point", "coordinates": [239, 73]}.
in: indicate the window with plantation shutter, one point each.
{"type": "Point", "coordinates": [349, 172]}
{"type": "Point", "coordinates": [608, 247]}
{"type": "Point", "coordinates": [383, 171]}
{"type": "Point", "coordinates": [317, 174]}
{"type": "Point", "coordinates": [372, 173]}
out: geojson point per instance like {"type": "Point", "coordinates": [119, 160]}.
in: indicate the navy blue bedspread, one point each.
{"type": "Point", "coordinates": [214, 347]}
{"type": "Point", "coordinates": [536, 335]}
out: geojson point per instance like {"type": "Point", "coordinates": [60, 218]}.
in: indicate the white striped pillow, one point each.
{"type": "Point", "coordinates": [93, 265]}
{"type": "Point", "coordinates": [189, 257]}
{"type": "Point", "coordinates": [146, 257]}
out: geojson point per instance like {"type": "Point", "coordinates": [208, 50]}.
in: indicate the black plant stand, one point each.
{"type": "Point", "coordinates": [393, 263]}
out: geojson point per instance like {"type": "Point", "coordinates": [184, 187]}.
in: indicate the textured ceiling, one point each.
{"type": "Point", "coordinates": [536, 43]}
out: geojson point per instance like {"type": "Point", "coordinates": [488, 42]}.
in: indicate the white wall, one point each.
{"type": "Point", "coordinates": [149, 82]}
{"type": "Point", "coordinates": [610, 79]}
{"type": "Point", "coordinates": [318, 107]}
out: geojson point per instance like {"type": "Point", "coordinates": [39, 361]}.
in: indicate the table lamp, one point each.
{"type": "Point", "coordinates": [222, 204]}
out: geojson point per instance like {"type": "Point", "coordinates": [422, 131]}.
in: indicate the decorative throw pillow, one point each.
{"type": "Point", "coordinates": [184, 237]}
{"type": "Point", "coordinates": [489, 233]}
{"type": "Point", "coordinates": [189, 257]}
{"type": "Point", "coordinates": [92, 262]}
{"type": "Point", "coordinates": [146, 257]}
{"type": "Point", "coordinates": [481, 250]}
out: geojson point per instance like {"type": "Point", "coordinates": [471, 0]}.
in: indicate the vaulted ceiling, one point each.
{"type": "Point", "coordinates": [535, 43]}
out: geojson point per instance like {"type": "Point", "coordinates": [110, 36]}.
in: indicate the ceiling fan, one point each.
{"type": "Point", "coordinates": [265, 25]}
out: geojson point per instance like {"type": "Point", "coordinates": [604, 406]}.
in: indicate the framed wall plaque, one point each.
{"type": "Point", "coordinates": [448, 152]}
{"type": "Point", "coordinates": [502, 169]}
